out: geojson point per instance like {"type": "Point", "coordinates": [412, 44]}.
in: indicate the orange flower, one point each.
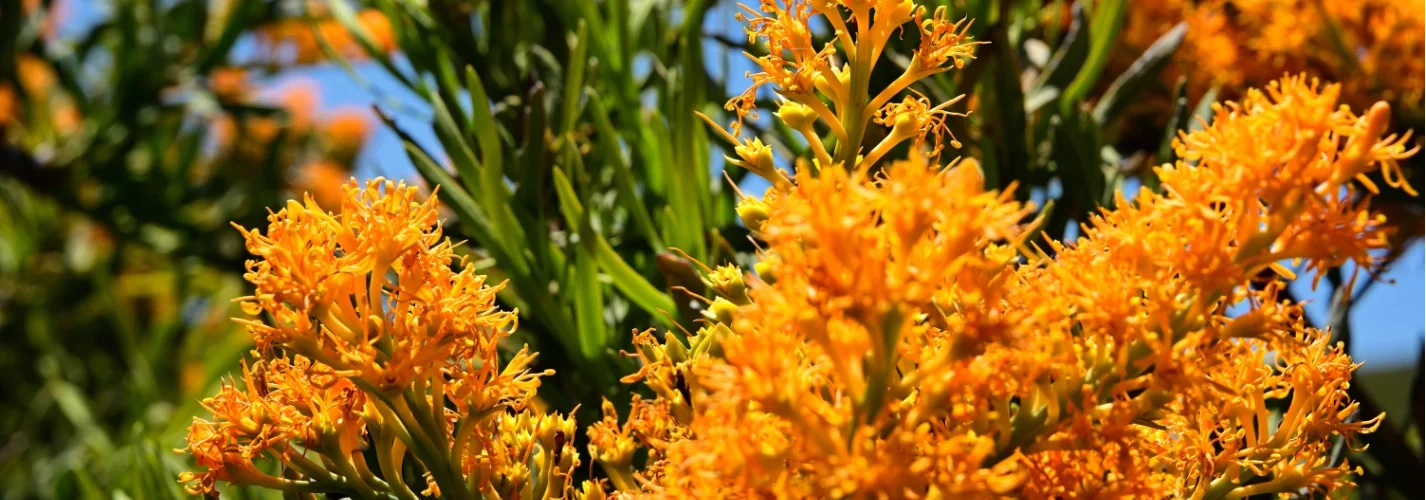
{"type": "Point", "coordinates": [324, 181]}
{"type": "Point", "coordinates": [300, 99]}
{"type": "Point", "coordinates": [345, 130]}
{"type": "Point", "coordinates": [914, 344]}
{"type": "Point", "coordinates": [35, 76]}
{"type": "Point", "coordinates": [285, 403]}
{"type": "Point", "coordinates": [379, 28]}
{"type": "Point", "coordinates": [804, 75]}
{"type": "Point", "coordinates": [394, 352]}
{"type": "Point", "coordinates": [298, 41]}
{"type": "Point", "coordinates": [1373, 47]}
{"type": "Point", "coordinates": [67, 119]}
{"type": "Point", "coordinates": [9, 105]}
{"type": "Point", "coordinates": [229, 83]}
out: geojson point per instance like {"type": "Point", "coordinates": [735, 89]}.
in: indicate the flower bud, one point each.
{"type": "Point", "coordinates": [727, 281]}
{"type": "Point", "coordinates": [591, 490]}
{"type": "Point", "coordinates": [757, 158]}
{"type": "Point", "coordinates": [754, 214]}
{"type": "Point", "coordinates": [674, 348]}
{"type": "Point", "coordinates": [721, 311]}
{"type": "Point", "coordinates": [764, 271]}
{"type": "Point", "coordinates": [796, 115]}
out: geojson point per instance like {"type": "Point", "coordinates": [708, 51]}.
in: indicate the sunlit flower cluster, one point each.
{"type": "Point", "coordinates": [1373, 47]}
{"type": "Point", "coordinates": [906, 336]}
{"type": "Point", "coordinates": [830, 84]}
{"type": "Point", "coordinates": [373, 351]}
{"type": "Point", "coordinates": [906, 332]}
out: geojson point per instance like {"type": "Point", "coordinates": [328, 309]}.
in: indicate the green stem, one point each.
{"type": "Point", "coordinates": [431, 456]}
{"type": "Point", "coordinates": [385, 458]}
{"type": "Point", "coordinates": [342, 463]}
{"type": "Point", "coordinates": [854, 116]}
{"type": "Point", "coordinates": [1221, 487]}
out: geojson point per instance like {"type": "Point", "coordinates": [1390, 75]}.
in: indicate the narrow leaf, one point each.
{"type": "Point", "coordinates": [1104, 30]}
{"type": "Point", "coordinates": [625, 277]}
{"type": "Point", "coordinates": [1144, 70]}
{"type": "Point", "coordinates": [1069, 57]}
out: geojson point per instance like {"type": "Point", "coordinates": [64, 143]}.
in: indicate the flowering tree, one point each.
{"type": "Point", "coordinates": [906, 333]}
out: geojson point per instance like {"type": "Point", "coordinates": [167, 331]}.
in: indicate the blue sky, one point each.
{"type": "Point", "coordinates": [1388, 321]}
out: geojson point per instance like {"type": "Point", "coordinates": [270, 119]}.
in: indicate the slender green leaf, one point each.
{"type": "Point", "coordinates": [624, 180]}
{"type": "Point", "coordinates": [574, 77]}
{"type": "Point", "coordinates": [1144, 70]}
{"type": "Point", "coordinates": [627, 280]}
{"type": "Point", "coordinates": [487, 135]}
{"type": "Point", "coordinates": [451, 138]}
{"type": "Point", "coordinates": [472, 217]}
{"type": "Point", "coordinates": [1203, 111]}
{"type": "Point", "coordinates": [1012, 139]}
{"type": "Point", "coordinates": [1104, 31]}
{"type": "Point", "coordinates": [1070, 55]}
{"type": "Point", "coordinates": [588, 299]}
{"type": "Point", "coordinates": [345, 15]}
{"type": "Point", "coordinates": [624, 277]}
{"type": "Point", "coordinates": [588, 303]}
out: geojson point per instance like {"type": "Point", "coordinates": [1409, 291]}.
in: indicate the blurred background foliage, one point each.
{"type": "Point", "coordinates": [563, 139]}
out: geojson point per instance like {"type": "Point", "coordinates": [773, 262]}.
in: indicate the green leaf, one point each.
{"type": "Point", "coordinates": [1144, 70]}
{"type": "Point", "coordinates": [574, 77]}
{"type": "Point", "coordinates": [624, 180]}
{"type": "Point", "coordinates": [685, 223]}
{"type": "Point", "coordinates": [344, 14]}
{"type": "Point", "coordinates": [1012, 140]}
{"type": "Point", "coordinates": [1070, 55]}
{"type": "Point", "coordinates": [75, 407]}
{"type": "Point", "coordinates": [1078, 158]}
{"type": "Point", "coordinates": [472, 217]}
{"type": "Point", "coordinates": [588, 297]}
{"type": "Point", "coordinates": [494, 193]}
{"type": "Point", "coordinates": [487, 131]}
{"type": "Point", "coordinates": [1178, 121]}
{"type": "Point", "coordinates": [1104, 31]}
{"type": "Point", "coordinates": [630, 282]}
{"type": "Point", "coordinates": [455, 145]}
{"type": "Point", "coordinates": [625, 277]}
{"type": "Point", "coordinates": [588, 303]}
{"type": "Point", "coordinates": [1203, 111]}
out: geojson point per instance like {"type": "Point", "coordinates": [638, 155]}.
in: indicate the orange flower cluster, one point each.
{"type": "Point", "coordinates": [369, 339]}
{"type": "Point", "coordinates": [300, 41]}
{"type": "Point", "coordinates": [803, 76]}
{"type": "Point", "coordinates": [1373, 47]}
{"type": "Point", "coordinates": [34, 109]}
{"type": "Point", "coordinates": [335, 138]}
{"type": "Point", "coordinates": [903, 337]}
